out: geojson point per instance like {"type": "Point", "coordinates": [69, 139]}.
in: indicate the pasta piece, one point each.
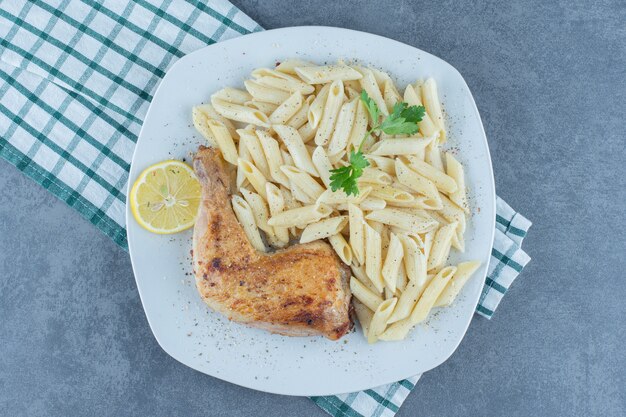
{"type": "Point", "coordinates": [455, 171]}
{"type": "Point", "coordinates": [379, 321]}
{"type": "Point", "coordinates": [357, 232]}
{"type": "Point", "coordinates": [299, 194]}
{"type": "Point", "coordinates": [370, 299]}
{"type": "Point", "coordinates": [411, 223]}
{"type": "Point", "coordinates": [417, 182]}
{"type": "Point", "coordinates": [243, 153]}
{"type": "Point", "coordinates": [281, 81]}
{"type": "Point", "coordinates": [259, 210]}
{"type": "Point", "coordinates": [255, 150]}
{"type": "Point", "coordinates": [390, 94]}
{"type": "Point", "coordinates": [401, 279]}
{"type": "Point", "coordinates": [323, 229]}
{"type": "Point", "coordinates": [393, 259]}
{"type": "Point", "coordinates": [266, 108]}
{"type": "Point", "coordinates": [224, 140]}
{"type": "Point", "coordinates": [359, 272]}
{"type": "Point", "coordinates": [406, 302]}
{"type": "Point", "coordinates": [327, 74]}
{"type": "Point", "coordinates": [273, 156]}
{"type": "Point", "coordinates": [256, 178]}
{"type": "Point", "coordinates": [415, 261]}
{"type": "Point", "coordinates": [288, 66]}
{"type": "Point", "coordinates": [451, 212]}
{"type": "Point", "coordinates": [464, 271]}
{"type": "Point", "coordinates": [233, 95]}
{"type": "Point", "coordinates": [301, 116]}
{"type": "Point", "coordinates": [359, 127]}
{"type": "Point", "coordinates": [443, 182]}
{"type": "Point", "coordinates": [340, 197]}
{"type": "Point", "coordinates": [240, 113]}
{"type": "Point", "coordinates": [300, 215]}
{"type": "Point", "coordinates": [375, 176]}
{"type": "Point", "coordinates": [341, 134]}
{"type": "Point", "coordinates": [372, 203]}
{"type": "Point", "coordinates": [380, 76]}
{"type": "Point", "coordinates": [210, 113]}
{"type": "Point", "coordinates": [341, 247]}
{"type": "Point", "coordinates": [431, 294]}
{"type": "Point", "coordinates": [276, 203]}
{"type": "Point", "coordinates": [402, 146]}
{"type": "Point", "coordinates": [200, 119]}
{"type": "Point", "coordinates": [287, 109]}
{"type": "Point", "coordinates": [364, 315]}
{"type": "Point", "coordinates": [433, 106]}
{"type": "Point", "coordinates": [301, 158]}
{"type": "Point", "coordinates": [322, 164]}
{"type": "Point", "coordinates": [397, 331]}
{"type": "Point", "coordinates": [383, 163]}
{"type": "Point", "coordinates": [441, 246]}
{"type": "Point", "coordinates": [316, 109]}
{"type": "Point", "coordinates": [303, 181]}
{"type": "Point", "coordinates": [369, 84]}
{"type": "Point", "coordinates": [331, 111]}
{"type": "Point", "coordinates": [244, 215]}
{"type": "Point", "coordinates": [373, 256]}
{"type": "Point", "coordinates": [307, 132]}
{"type": "Point", "coordinates": [432, 156]}
{"type": "Point", "coordinates": [264, 93]}
{"type": "Point", "coordinates": [426, 127]}
{"type": "Point", "coordinates": [391, 194]}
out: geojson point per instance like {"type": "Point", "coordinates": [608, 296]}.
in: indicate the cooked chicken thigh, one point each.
{"type": "Point", "coordinates": [298, 291]}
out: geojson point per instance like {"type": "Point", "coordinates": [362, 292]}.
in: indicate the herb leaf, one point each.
{"type": "Point", "coordinates": [402, 121]}
{"type": "Point", "coordinates": [371, 107]}
{"type": "Point", "coordinates": [346, 177]}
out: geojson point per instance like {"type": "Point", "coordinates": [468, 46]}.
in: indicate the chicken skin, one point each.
{"type": "Point", "coordinates": [298, 291]}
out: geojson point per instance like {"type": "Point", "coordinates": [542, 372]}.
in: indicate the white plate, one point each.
{"type": "Point", "coordinates": [205, 341]}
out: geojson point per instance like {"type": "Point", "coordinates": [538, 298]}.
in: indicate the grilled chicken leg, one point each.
{"type": "Point", "coordinates": [298, 291]}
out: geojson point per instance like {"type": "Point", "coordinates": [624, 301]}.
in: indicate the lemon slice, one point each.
{"type": "Point", "coordinates": [165, 197]}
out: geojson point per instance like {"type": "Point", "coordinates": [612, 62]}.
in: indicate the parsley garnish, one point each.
{"type": "Point", "coordinates": [402, 121]}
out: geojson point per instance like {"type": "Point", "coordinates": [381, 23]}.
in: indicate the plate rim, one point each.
{"type": "Point", "coordinates": [133, 173]}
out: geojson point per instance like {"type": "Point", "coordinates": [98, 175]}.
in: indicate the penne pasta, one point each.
{"type": "Point", "coordinates": [303, 181]}
{"type": "Point", "coordinates": [287, 109]}
{"type": "Point", "coordinates": [359, 127]}
{"type": "Point", "coordinates": [265, 108]}
{"type": "Point", "coordinates": [417, 183]}
{"type": "Point", "coordinates": [379, 320]}
{"type": "Point", "coordinates": [288, 66]}
{"type": "Point", "coordinates": [301, 116]}
{"type": "Point", "coordinates": [233, 95]}
{"type": "Point", "coordinates": [323, 229]}
{"type": "Point", "coordinates": [357, 232]}
{"type": "Point", "coordinates": [430, 97]}
{"type": "Point", "coordinates": [255, 150]}
{"type": "Point", "coordinates": [224, 140]}
{"type": "Point", "coordinates": [307, 132]}
{"type": "Point", "coordinates": [411, 223]}
{"type": "Point", "coordinates": [364, 315]}
{"type": "Point", "coordinates": [426, 127]}
{"type": "Point", "coordinates": [244, 215]}
{"type": "Point", "coordinates": [393, 260]}
{"type": "Point", "coordinates": [316, 109]}
{"type": "Point", "coordinates": [441, 245]}
{"type": "Point", "coordinates": [200, 119]}
{"type": "Point", "coordinates": [252, 174]}
{"type": "Point", "coordinates": [240, 113]}
{"type": "Point", "coordinates": [431, 294]}
{"type": "Point", "coordinates": [369, 84]}
{"type": "Point", "coordinates": [264, 93]}
{"type": "Point", "coordinates": [295, 145]}
{"type": "Point", "coordinates": [273, 156]}
{"type": "Point", "coordinates": [341, 247]}
{"type": "Point", "coordinates": [339, 140]}
{"type": "Point", "coordinates": [390, 94]}
{"type": "Point", "coordinates": [463, 273]}
{"type": "Point", "coordinates": [443, 182]}
{"type": "Point", "coordinates": [300, 215]}
{"type": "Point", "coordinates": [373, 256]}
{"type": "Point", "coordinates": [322, 164]}
{"type": "Point", "coordinates": [370, 299]}
{"type": "Point", "coordinates": [276, 203]}
{"type": "Point", "coordinates": [382, 163]}
{"type": "Point", "coordinates": [330, 114]}
{"type": "Point", "coordinates": [455, 171]}
{"type": "Point", "coordinates": [327, 73]}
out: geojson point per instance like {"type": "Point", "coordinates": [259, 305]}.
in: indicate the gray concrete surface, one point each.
{"type": "Point", "coordinates": [550, 81]}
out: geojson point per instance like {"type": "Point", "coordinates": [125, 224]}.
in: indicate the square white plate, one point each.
{"type": "Point", "coordinates": [206, 341]}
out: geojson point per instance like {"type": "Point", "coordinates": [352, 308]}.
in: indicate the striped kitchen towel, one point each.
{"type": "Point", "coordinates": [77, 78]}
